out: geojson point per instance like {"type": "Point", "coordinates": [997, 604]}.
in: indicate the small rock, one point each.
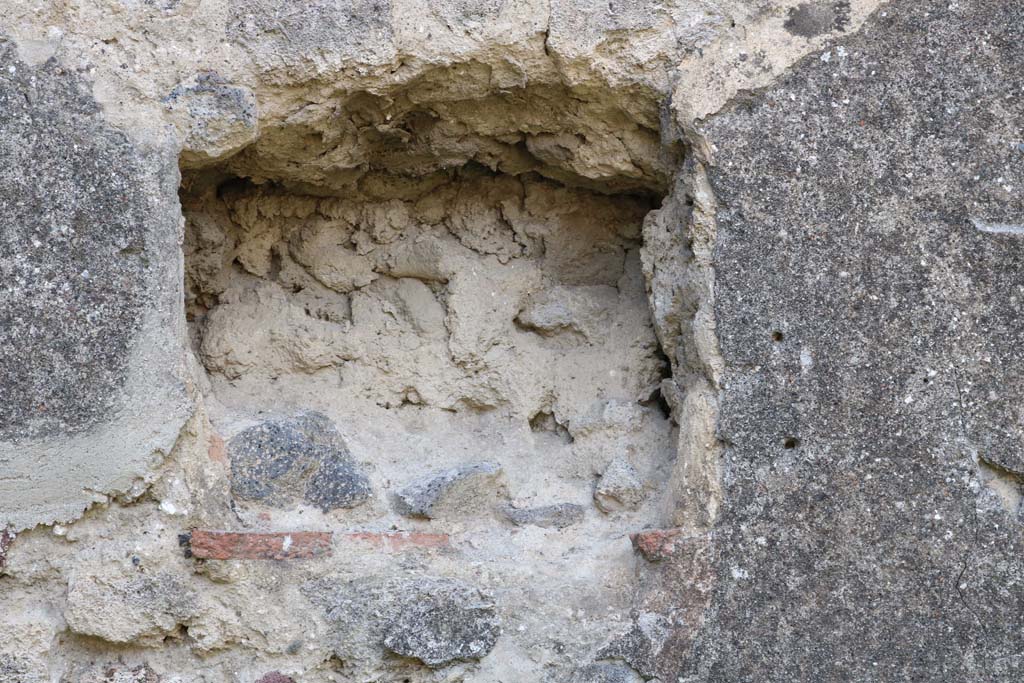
{"type": "Point", "coordinates": [433, 619]}
{"type": "Point", "coordinates": [661, 544]}
{"type": "Point", "coordinates": [6, 541]}
{"type": "Point", "coordinates": [218, 118]}
{"type": "Point", "coordinates": [458, 488]}
{"type": "Point", "coordinates": [642, 646]}
{"type": "Point", "coordinates": [558, 516]}
{"type": "Point", "coordinates": [443, 621]}
{"type": "Point", "coordinates": [604, 672]}
{"type": "Point", "coordinates": [302, 457]}
{"type": "Point", "coordinates": [276, 677]}
{"type": "Point", "coordinates": [619, 488]}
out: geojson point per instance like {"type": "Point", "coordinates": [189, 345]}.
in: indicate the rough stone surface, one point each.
{"type": "Point", "coordinates": [120, 607]}
{"type": "Point", "coordinates": [661, 544]}
{"type": "Point", "coordinates": [768, 253]}
{"type": "Point", "coordinates": [619, 487]}
{"type": "Point", "coordinates": [467, 485]}
{"type": "Point", "coordinates": [88, 239]}
{"type": "Point", "coordinates": [557, 516]}
{"type": "Point", "coordinates": [6, 541]}
{"type": "Point", "coordinates": [275, 677]}
{"type": "Point", "coordinates": [435, 621]}
{"type": "Point", "coordinates": [74, 263]}
{"type": "Point", "coordinates": [299, 458]}
{"type": "Point", "coordinates": [15, 669]}
{"type": "Point", "coordinates": [872, 358]}
{"type": "Point", "coordinates": [218, 118]}
{"type": "Point", "coordinates": [119, 673]}
{"type": "Point", "coordinates": [440, 622]}
{"type": "Point", "coordinates": [603, 672]}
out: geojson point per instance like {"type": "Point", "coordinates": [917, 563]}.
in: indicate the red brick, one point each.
{"type": "Point", "coordinates": [660, 544]}
{"type": "Point", "coordinates": [395, 541]}
{"type": "Point", "coordinates": [231, 545]}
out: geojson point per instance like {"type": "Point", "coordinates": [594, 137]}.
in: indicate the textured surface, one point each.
{"type": "Point", "coordinates": [472, 484]}
{"type": "Point", "coordinates": [442, 621]}
{"type": "Point", "coordinates": [437, 621]}
{"type": "Point", "coordinates": [870, 331]}
{"type": "Point", "coordinates": [279, 462]}
{"type": "Point", "coordinates": [73, 259]}
{"type": "Point", "coordinates": [226, 545]}
{"type": "Point", "coordinates": [557, 516]}
{"type": "Point", "coordinates": [88, 262]}
{"type": "Point", "coordinates": [749, 271]}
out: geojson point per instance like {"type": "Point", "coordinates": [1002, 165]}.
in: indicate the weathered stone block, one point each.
{"type": "Point", "coordinates": [89, 305]}
{"type": "Point", "coordinates": [437, 621]}
{"type": "Point", "coordinates": [442, 621]}
{"type": "Point", "coordinates": [128, 608]}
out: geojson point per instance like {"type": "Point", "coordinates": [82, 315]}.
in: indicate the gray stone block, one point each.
{"type": "Point", "coordinates": [442, 621]}
{"type": "Point", "coordinates": [90, 319]}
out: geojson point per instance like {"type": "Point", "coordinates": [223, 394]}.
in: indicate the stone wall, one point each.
{"type": "Point", "coordinates": [511, 341]}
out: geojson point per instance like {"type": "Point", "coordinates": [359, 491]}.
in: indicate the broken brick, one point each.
{"type": "Point", "coordinates": [400, 540]}
{"type": "Point", "coordinates": [230, 545]}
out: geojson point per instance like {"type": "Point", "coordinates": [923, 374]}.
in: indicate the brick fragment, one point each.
{"type": "Point", "coordinates": [660, 544]}
{"type": "Point", "coordinates": [230, 545]}
{"type": "Point", "coordinates": [395, 541]}
{"type": "Point", "coordinates": [217, 449]}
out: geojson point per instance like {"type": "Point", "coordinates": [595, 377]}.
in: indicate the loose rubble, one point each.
{"type": "Point", "coordinates": [557, 516]}
{"type": "Point", "coordinates": [619, 488]}
{"type": "Point", "coordinates": [467, 486]}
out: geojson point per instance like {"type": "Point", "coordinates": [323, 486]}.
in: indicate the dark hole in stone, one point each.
{"type": "Point", "coordinates": [777, 336]}
{"type": "Point", "coordinates": [790, 442]}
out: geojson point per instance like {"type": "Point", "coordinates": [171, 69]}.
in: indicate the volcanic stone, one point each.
{"type": "Point", "coordinates": [303, 457]}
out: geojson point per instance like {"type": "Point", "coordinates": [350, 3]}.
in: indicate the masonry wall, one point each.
{"type": "Point", "coordinates": [400, 341]}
